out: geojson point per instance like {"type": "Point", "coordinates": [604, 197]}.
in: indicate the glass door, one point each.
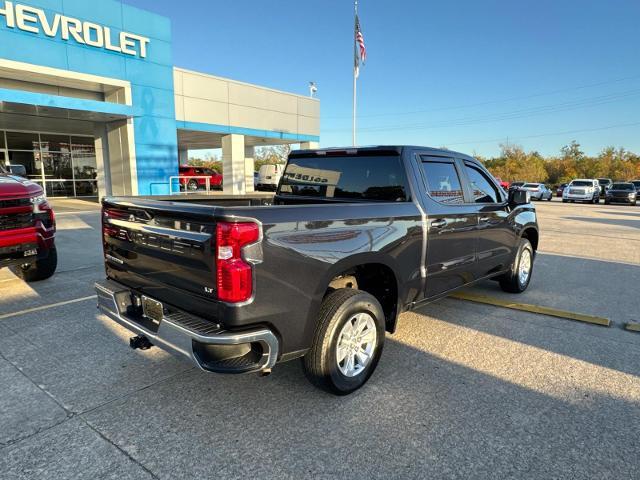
{"type": "Point", "coordinates": [3, 152]}
{"type": "Point", "coordinates": [56, 164]}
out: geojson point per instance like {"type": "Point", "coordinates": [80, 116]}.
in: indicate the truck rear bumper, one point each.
{"type": "Point", "coordinates": [202, 342]}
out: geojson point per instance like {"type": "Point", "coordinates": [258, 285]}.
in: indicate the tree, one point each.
{"type": "Point", "coordinates": [514, 163]}
{"type": "Point", "coordinates": [211, 162]}
{"type": "Point", "coordinates": [271, 155]}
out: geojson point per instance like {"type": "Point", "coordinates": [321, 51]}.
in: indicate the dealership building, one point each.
{"type": "Point", "coordinates": [91, 103]}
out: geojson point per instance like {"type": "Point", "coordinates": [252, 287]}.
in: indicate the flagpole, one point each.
{"type": "Point", "coordinates": [355, 53]}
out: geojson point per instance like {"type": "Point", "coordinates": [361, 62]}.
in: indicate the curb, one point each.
{"type": "Point", "coordinates": [525, 307]}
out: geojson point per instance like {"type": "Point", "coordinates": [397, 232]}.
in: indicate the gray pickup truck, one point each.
{"type": "Point", "coordinates": [351, 239]}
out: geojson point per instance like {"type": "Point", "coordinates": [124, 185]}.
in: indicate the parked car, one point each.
{"type": "Point", "coordinates": [195, 178]}
{"type": "Point", "coordinates": [27, 229]}
{"type": "Point", "coordinates": [621, 192]}
{"type": "Point", "coordinates": [560, 189]}
{"type": "Point", "coordinates": [605, 184]}
{"type": "Point", "coordinates": [582, 190]}
{"type": "Point", "coordinates": [636, 183]}
{"type": "Point", "coordinates": [237, 284]}
{"type": "Point", "coordinates": [538, 191]}
{"type": "Point", "coordinates": [269, 176]}
{"type": "Point", "coordinates": [502, 183]}
{"type": "Point", "coordinates": [16, 169]}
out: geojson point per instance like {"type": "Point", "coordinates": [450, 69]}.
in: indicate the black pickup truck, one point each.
{"type": "Point", "coordinates": [351, 239]}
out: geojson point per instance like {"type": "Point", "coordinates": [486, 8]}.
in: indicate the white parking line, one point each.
{"type": "Point", "coordinates": [79, 212]}
{"type": "Point", "coordinates": [45, 307]}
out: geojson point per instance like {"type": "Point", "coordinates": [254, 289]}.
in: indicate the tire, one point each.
{"type": "Point", "coordinates": [550, 198]}
{"type": "Point", "coordinates": [595, 199]}
{"type": "Point", "coordinates": [564, 201]}
{"type": "Point", "coordinates": [513, 282]}
{"type": "Point", "coordinates": [40, 269]}
{"type": "Point", "coordinates": [192, 185]}
{"type": "Point", "coordinates": [321, 365]}
{"type": "Point", "coordinates": [607, 202]}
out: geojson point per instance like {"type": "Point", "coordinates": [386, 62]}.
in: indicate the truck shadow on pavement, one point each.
{"type": "Point", "coordinates": [497, 410]}
{"type": "Point", "coordinates": [459, 392]}
{"type": "Point", "coordinates": [607, 221]}
{"type": "Point", "coordinates": [577, 284]}
{"type": "Point", "coordinates": [617, 212]}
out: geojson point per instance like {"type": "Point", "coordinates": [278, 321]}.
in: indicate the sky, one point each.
{"type": "Point", "coordinates": [469, 75]}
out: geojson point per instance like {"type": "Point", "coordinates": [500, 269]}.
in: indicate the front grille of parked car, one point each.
{"type": "Point", "coordinates": [12, 222]}
{"type": "Point", "coordinates": [18, 202]}
{"type": "Point", "coordinates": [577, 191]}
{"type": "Point", "coordinates": [621, 194]}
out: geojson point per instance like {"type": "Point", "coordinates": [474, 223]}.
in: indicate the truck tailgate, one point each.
{"type": "Point", "coordinates": [160, 246]}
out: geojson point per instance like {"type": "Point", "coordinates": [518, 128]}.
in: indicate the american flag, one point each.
{"type": "Point", "coordinates": [362, 49]}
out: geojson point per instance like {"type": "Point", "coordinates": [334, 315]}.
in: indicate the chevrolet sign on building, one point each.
{"type": "Point", "coordinates": [31, 19]}
{"type": "Point", "coordinates": [91, 104]}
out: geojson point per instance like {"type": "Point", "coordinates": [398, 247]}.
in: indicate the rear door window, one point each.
{"type": "Point", "coordinates": [371, 178]}
{"type": "Point", "coordinates": [443, 182]}
{"type": "Point", "coordinates": [482, 189]}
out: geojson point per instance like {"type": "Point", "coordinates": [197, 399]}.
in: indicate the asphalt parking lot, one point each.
{"type": "Point", "coordinates": [463, 390]}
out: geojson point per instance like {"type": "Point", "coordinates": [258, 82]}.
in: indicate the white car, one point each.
{"type": "Point", "coordinates": [537, 191]}
{"type": "Point", "coordinates": [582, 190]}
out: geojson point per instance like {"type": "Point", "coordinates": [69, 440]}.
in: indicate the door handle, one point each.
{"type": "Point", "coordinates": [439, 223]}
{"type": "Point", "coordinates": [485, 219]}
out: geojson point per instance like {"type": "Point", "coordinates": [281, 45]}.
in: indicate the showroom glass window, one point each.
{"type": "Point", "coordinates": [65, 165]}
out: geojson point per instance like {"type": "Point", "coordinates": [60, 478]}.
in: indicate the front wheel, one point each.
{"type": "Point", "coordinates": [347, 343]}
{"type": "Point", "coordinates": [40, 269]}
{"type": "Point", "coordinates": [517, 280]}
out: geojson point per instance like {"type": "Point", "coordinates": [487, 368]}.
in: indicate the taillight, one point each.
{"type": "Point", "coordinates": [234, 275]}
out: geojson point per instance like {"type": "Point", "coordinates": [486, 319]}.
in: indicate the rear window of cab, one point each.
{"type": "Point", "coordinates": [357, 178]}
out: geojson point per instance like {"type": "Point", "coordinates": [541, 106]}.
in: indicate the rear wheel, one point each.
{"type": "Point", "coordinates": [564, 201]}
{"type": "Point", "coordinates": [40, 269]}
{"type": "Point", "coordinates": [517, 280]}
{"type": "Point", "coordinates": [192, 185]}
{"type": "Point", "coordinates": [347, 343]}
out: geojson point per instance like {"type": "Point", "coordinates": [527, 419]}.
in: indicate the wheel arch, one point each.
{"type": "Point", "coordinates": [366, 267]}
{"type": "Point", "coordinates": [531, 233]}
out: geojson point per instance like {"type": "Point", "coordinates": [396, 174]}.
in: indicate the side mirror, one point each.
{"type": "Point", "coordinates": [519, 197]}
{"type": "Point", "coordinates": [19, 170]}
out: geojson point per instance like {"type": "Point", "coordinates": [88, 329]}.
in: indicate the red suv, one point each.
{"type": "Point", "coordinates": [193, 184]}
{"type": "Point", "coordinates": [27, 229]}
